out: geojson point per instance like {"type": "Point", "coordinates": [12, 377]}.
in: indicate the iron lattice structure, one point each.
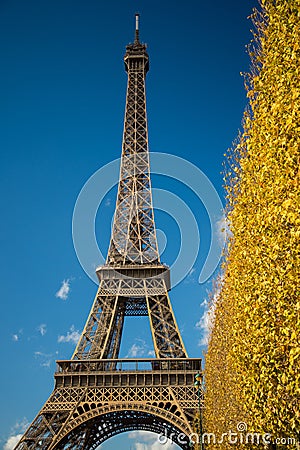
{"type": "Point", "coordinates": [97, 394]}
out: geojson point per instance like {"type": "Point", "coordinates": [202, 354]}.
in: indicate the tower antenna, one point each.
{"type": "Point", "coordinates": [137, 30]}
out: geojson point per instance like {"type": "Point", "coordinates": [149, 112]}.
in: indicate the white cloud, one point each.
{"type": "Point", "coordinates": [17, 432]}
{"type": "Point", "coordinates": [71, 336]}
{"type": "Point", "coordinates": [204, 303]}
{"type": "Point", "coordinates": [46, 364]}
{"type": "Point", "coordinates": [146, 440]}
{"type": "Point", "coordinates": [140, 349]}
{"type": "Point", "coordinates": [145, 436]}
{"type": "Point", "coordinates": [135, 351]}
{"type": "Point", "coordinates": [21, 425]}
{"type": "Point", "coordinates": [44, 358]}
{"type": "Point", "coordinates": [158, 446]}
{"type": "Point", "coordinates": [205, 323]}
{"type": "Point", "coordinates": [42, 329]}
{"type": "Point", "coordinates": [64, 290]}
{"type": "Point", "coordinates": [107, 202]}
{"type": "Point", "coordinates": [222, 230]}
{"type": "Point", "coordinates": [12, 442]}
{"type": "Point", "coordinates": [16, 336]}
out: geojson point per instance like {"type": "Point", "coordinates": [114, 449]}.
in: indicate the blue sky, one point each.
{"type": "Point", "coordinates": [62, 90]}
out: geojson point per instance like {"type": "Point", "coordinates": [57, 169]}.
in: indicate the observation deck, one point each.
{"type": "Point", "coordinates": [128, 372]}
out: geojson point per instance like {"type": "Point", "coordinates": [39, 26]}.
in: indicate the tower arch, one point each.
{"type": "Point", "coordinates": [99, 425]}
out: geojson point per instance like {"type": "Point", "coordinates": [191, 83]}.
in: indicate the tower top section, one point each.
{"type": "Point", "coordinates": [136, 57]}
{"type": "Point", "coordinates": [133, 240]}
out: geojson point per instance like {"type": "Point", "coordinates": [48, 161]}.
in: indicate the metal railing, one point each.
{"type": "Point", "coordinates": [130, 365]}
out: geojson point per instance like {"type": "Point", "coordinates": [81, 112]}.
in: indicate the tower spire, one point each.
{"type": "Point", "coordinates": [137, 28]}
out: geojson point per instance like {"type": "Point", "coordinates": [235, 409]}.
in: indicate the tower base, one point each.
{"type": "Point", "coordinates": [97, 399]}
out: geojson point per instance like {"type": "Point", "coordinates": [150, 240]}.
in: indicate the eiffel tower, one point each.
{"type": "Point", "coordinates": [97, 394]}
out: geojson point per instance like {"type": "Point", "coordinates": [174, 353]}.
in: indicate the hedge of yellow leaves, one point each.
{"type": "Point", "coordinates": [253, 358]}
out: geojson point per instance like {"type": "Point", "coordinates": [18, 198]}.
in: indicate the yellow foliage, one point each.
{"type": "Point", "coordinates": [253, 358]}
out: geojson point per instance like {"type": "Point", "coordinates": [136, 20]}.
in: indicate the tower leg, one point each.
{"type": "Point", "coordinates": [166, 336]}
